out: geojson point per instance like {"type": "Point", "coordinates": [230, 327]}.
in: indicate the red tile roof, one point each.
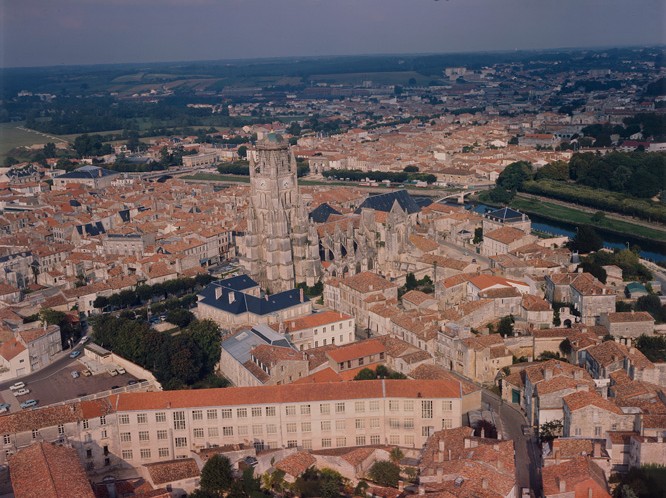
{"type": "Point", "coordinates": [284, 393]}
{"type": "Point", "coordinates": [44, 470]}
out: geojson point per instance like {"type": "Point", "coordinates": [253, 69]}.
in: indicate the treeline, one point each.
{"type": "Point", "coordinates": [144, 293]}
{"type": "Point", "coordinates": [598, 199]}
{"type": "Point", "coordinates": [177, 361]}
{"type": "Point", "coordinates": [242, 168]}
{"type": "Point", "coordinates": [378, 176]}
{"type": "Point", "coordinates": [619, 182]}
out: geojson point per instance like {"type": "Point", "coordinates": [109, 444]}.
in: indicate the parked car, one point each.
{"type": "Point", "coordinates": [4, 407]}
{"type": "Point", "coordinates": [17, 385]}
{"type": "Point", "coordinates": [121, 370]}
{"type": "Point", "coordinates": [21, 392]}
{"type": "Point", "coordinates": [75, 354]}
{"type": "Point", "coordinates": [75, 374]}
{"type": "Point", "coordinates": [113, 372]}
{"type": "Point", "coordinates": [132, 382]}
{"type": "Point", "coordinates": [28, 404]}
{"type": "Point", "coordinates": [84, 339]}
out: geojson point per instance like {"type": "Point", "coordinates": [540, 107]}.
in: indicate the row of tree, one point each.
{"type": "Point", "coordinates": [177, 361]}
{"type": "Point", "coordinates": [378, 176]}
{"type": "Point", "coordinates": [143, 293]}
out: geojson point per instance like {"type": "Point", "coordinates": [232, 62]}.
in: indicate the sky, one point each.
{"type": "Point", "coordinates": [57, 32]}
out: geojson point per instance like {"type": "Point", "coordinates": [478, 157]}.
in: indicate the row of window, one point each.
{"type": "Point", "coordinates": [291, 428]}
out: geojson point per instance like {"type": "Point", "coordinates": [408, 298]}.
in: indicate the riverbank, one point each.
{"type": "Point", "coordinates": [557, 212]}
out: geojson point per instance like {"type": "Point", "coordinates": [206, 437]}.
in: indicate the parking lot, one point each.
{"type": "Point", "coordinates": [61, 386]}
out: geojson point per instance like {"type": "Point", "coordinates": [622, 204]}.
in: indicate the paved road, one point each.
{"type": "Point", "coordinates": [62, 362]}
{"type": "Point", "coordinates": [528, 456]}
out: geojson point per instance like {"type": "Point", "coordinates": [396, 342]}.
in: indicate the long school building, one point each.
{"type": "Point", "coordinates": [140, 428]}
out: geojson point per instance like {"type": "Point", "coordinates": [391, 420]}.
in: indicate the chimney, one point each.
{"type": "Point", "coordinates": [589, 492]}
{"type": "Point", "coordinates": [484, 483]}
{"type": "Point", "coordinates": [301, 295]}
{"type": "Point", "coordinates": [597, 449]}
{"type": "Point", "coordinates": [449, 454]}
{"type": "Point", "coordinates": [441, 445]}
{"type": "Point", "coordinates": [578, 374]}
{"type": "Point", "coordinates": [401, 485]}
{"type": "Point", "coordinates": [421, 490]}
{"type": "Point", "coordinates": [483, 432]}
{"type": "Point", "coordinates": [467, 443]}
{"type": "Point", "coordinates": [440, 474]}
{"type": "Point", "coordinates": [232, 297]}
{"type": "Point", "coordinates": [563, 485]}
{"type": "Point", "coordinates": [548, 374]}
{"type": "Point", "coordinates": [500, 464]}
{"type": "Point", "coordinates": [557, 456]}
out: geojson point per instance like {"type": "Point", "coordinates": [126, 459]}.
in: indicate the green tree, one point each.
{"type": "Point", "coordinates": [505, 327]}
{"type": "Point", "coordinates": [100, 302]}
{"type": "Point", "coordinates": [478, 235]}
{"type": "Point", "coordinates": [49, 150]}
{"type": "Point", "coordinates": [385, 473]}
{"type": "Point", "coordinates": [410, 282]}
{"type": "Point", "coordinates": [565, 347]}
{"type": "Point", "coordinates": [180, 317]}
{"type": "Point", "coordinates": [586, 240]}
{"type": "Point", "coordinates": [242, 151]}
{"type": "Point", "coordinates": [366, 374]}
{"type": "Point", "coordinates": [557, 170]}
{"type": "Point", "coordinates": [411, 169]}
{"type": "Point", "coordinates": [550, 430]}
{"type": "Point", "coordinates": [217, 475]}
{"type": "Point", "coordinates": [513, 176]}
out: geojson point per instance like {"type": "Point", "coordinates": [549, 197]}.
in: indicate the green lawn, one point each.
{"type": "Point", "coordinates": [11, 137]}
{"type": "Point", "coordinates": [563, 213]}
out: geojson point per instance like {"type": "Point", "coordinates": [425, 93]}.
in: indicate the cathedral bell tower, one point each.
{"type": "Point", "coordinates": [278, 251]}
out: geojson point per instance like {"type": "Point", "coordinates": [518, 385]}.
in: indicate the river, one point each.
{"type": "Point", "coordinates": [648, 251]}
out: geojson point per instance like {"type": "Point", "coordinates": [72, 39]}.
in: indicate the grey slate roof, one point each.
{"type": "Point", "coordinates": [243, 303]}
{"type": "Point", "coordinates": [88, 172]}
{"type": "Point", "coordinates": [322, 212]}
{"type": "Point", "coordinates": [505, 214]}
{"type": "Point", "coordinates": [384, 202]}
{"type": "Point", "coordinates": [240, 345]}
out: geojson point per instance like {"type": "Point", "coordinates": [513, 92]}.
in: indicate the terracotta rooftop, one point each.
{"type": "Point", "coordinates": [365, 282]}
{"type": "Point", "coordinates": [583, 399]}
{"type": "Point", "coordinates": [574, 475]}
{"type": "Point", "coordinates": [44, 470]}
{"type": "Point", "coordinates": [172, 470]}
{"type": "Point", "coordinates": [296, 463]}
{"type": "Point", "coordinates": [630, 316]}
{"type": "Point", "coordinates": [356, 350]}
{"type": "Point", "coordinates": [232, 396]}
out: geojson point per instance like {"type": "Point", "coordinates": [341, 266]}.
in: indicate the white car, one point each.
{"type": "Point", "coordinates": [18, 385]}
{"type": "Point", "coordinates": [21, 392]}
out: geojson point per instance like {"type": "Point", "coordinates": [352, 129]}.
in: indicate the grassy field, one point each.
{"type": "Point", "coordinates": [569, 215]}
{"type": "Point", "coordinates": [11, 137]}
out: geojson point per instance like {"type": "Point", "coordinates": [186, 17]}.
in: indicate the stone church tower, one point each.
{"type": "Point", "coordinates": [281, 248]}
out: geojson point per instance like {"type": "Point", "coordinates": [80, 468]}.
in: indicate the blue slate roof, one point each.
{"type": "Point", "coordinates": [384, 202]}
{"type": "Point", "coordinates": [238, 283]}
{"type": "Point", "coordinates": [505, 214]}
{"type": "Point", "coordinates": [322, 213]}
{"type": "Point", "coordinates": [88, 172]}
{"type": "Point", "coordinates": [244, 303]}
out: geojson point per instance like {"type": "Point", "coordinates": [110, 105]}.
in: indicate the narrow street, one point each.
{"type": "Point", "coordinates": [528, 456]}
